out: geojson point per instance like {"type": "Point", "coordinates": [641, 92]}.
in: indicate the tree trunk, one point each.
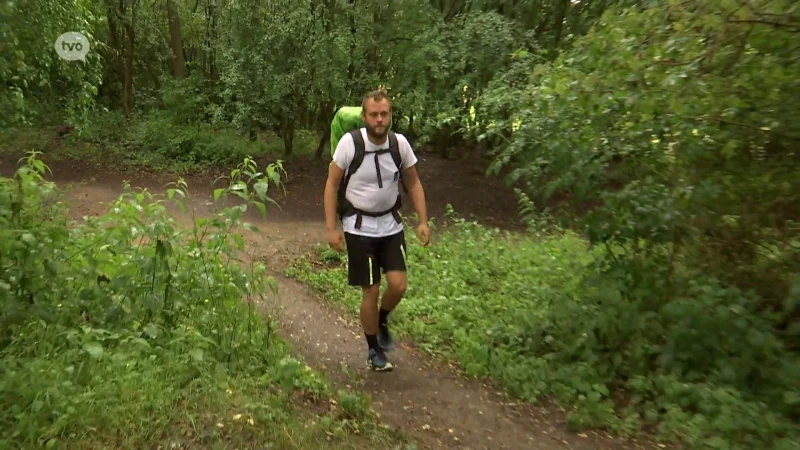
{"type": "Point", "coordinates": [287, 134]}
{"type": "Point", "coordinates": [130, 37]}
{"type": "Point", "coordinates": [209, 56]}
{"type": "Point", "coordinates": [176, 41]}
{"type": "Point", "coordinates": [558, 22]}
{"type": "Point", "coordinates": [121, 39]}
{"type": "Point", "coordinates": [253, 131]}
{"type": "Point", "coordinates": [351, 67]}
{"type": "Point", "coordinates": [114, 39]}
{"type": "Point", "coordinates": [324, 118]}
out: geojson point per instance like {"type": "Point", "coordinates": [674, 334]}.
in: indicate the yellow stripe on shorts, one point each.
{"type": "Point", "coordinates": [370, 270]}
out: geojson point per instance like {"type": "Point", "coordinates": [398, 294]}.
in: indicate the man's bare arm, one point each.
{"type": "Point", "coordinates": [414, 187]}
{"type": "Point", "coordinates": [335, 175]}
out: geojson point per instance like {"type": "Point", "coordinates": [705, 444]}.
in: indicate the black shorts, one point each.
{"type": "Point", "coordinates": [368, 256]}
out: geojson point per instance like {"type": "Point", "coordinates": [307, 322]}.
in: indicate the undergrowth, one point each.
{"type": "Point", "coordinates": [546, 314]}
{"type": "Point", "coordinates": [159, 141]}
{"type": "Point", "coordinates": [128, 330]}
{"type": "Point", "coordinates": [156, 142]}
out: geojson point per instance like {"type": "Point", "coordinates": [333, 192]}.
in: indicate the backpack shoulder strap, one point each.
{"type": "Point", "coordinates": [358, 156]}
{"type": "Point", "coordinates": [343, 206]}
{"type": "Point", "coordinates": [394, 149]}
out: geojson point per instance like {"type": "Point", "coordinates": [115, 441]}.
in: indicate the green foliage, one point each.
{"type": "Point", "coordinates": [161, 143]}
{"type": "Point", "coordinates": [17, 140]}
{"type": "Point", "coordinates": [438, 78]}
{"type": "Point", "coordinates": [128, 328]}
{"type": "Point", "coordinates": [541, 315]}
{"type": "Point", "coordinates": [276, 65]}
{"type": "Point", "coordinates": [666, 136]}
{"type": "Point", "coordinates": [669, 124]}
{"type": "Point", "coordinates": [38, 84]}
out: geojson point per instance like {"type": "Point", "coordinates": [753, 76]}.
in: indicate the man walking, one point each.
{"type": "Point", "coordinates": [363, 190]}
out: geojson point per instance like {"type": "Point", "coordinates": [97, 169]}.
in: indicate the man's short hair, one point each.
{"type": "Point", "coordinates": [377, 95]}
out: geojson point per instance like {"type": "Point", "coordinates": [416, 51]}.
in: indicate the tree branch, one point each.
{"type": "Point", "coordinates": [767, 22]}
{"type": "Point", "coordinates": [729, 122]}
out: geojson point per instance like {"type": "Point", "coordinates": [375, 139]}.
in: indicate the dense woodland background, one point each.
{"type": "Point", "coordinates": [665, 133]}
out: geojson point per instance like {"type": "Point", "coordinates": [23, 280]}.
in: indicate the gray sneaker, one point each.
{"type": "Point", "coordinates": [377, 361]}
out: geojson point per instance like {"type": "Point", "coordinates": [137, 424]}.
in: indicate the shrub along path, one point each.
{"type": "Point", "coordinates": [429, 401]}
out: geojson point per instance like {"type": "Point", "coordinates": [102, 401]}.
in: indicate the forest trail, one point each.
{"type": "Point", "coordinates": [426, 400]}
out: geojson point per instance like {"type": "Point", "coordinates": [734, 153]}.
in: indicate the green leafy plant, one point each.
{"type": "Point", "coordinates": [133, 328]}
{"type": "Point", "coordinates": [665, 136]}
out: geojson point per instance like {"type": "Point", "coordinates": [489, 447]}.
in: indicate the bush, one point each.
{"type": "Point", "coordinates": [126, 328]}
{"type": "Point", "coordinates": [667, 135]}
{"type": "Point", "coordinates": [162, 142]}
{"type": "Point", "coordinates": [159, 142]}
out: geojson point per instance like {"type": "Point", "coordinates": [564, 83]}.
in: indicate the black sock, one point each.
{"type": "Point", "coordinates": [372, 340]}
{"type": "Point", "coordinates": [384, 315]}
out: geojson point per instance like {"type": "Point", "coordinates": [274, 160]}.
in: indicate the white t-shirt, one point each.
{"type": "Point", "coordinates": [363, 190]}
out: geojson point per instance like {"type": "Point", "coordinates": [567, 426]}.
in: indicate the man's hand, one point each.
{"type": "Point", "coordinates": [336, 239]}
{"type": "Point", "coordinates": [424, 234]}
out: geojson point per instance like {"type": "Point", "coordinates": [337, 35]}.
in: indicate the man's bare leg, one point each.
{"type": "Point", "coordinates": [396, 288]}
{"type": "Point", "coordinates": [369, 322]}
{"type": "Point", "coordinates": [369, 309]}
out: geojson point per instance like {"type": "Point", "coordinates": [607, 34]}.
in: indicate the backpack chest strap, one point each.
{"type": "Point", "coordinates": [378, 166]}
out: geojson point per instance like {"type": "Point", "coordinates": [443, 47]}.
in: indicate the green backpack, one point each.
{"type": "Point", "coordinates": [348, 120]}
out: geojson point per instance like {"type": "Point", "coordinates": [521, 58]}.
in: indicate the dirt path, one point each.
{"type": "Point", "coordinates": [431, 403]}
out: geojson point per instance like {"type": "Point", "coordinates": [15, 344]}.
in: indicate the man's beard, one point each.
{"type": "Point", "coordinates": [374, 134]}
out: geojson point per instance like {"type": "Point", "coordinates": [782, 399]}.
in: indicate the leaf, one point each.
{"type": "Point", "coordinates": [196, 354]}
{"type": "Point", "coordinates": [152, 330]}
{"type": "Point", "coordinates": [273, 284]}
{"type": "Point", "coordinates": [167, 247]}
{"type": "Point", "coordinates": [52, 268]}
{"type": "Point", "coordinates": [94, 348]}
{"type": "Point", "coordinates": [261, 189]}
{"type": "Point", "coordinates": [275, 176]}
{"type": "Point", "coordinates": [262, 208]}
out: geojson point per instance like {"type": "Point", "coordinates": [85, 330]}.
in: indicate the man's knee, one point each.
{"type": "Point", "coordinates": [397, 282]}
{"type": "Point", "coordinates": [370, 293]}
